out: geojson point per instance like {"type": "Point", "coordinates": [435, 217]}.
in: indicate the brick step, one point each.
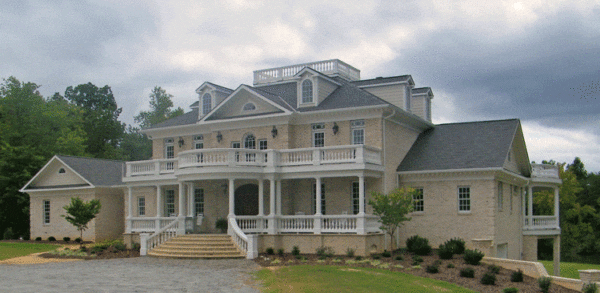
{"type": "Point", "coordinates": [177, 248]}
{"type": "Point", "coordinates": [197, 253]}
{"type": "Point", "coordinates": [200, 242]}
{"type": "Point", "coordinates": [198, 246]}
{"type": "Point", "coordinates": [195, 256]}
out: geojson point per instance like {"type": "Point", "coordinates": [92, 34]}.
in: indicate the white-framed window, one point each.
{"type": "Point", "coordinates": [199, 200]}
{"type": "Point", "coordinates": [357, 128]}
{"type": "Point", "coordinates": [314, 198]}
{"type": "Point", "coordinates": [62, 171]}
{"type": "Point", "coordinates": [418, 201]}
{"type": "Point", "coordinates": [250, 141]}
{"type": "Point", "coordinates": [141, 206]}
{"type": "Point", "coordinates": [46, 211]}
{"type": "Point", "coordinates": [206, 103]}
{"type": "Point", "coordinates": [236, 145]}
{"type": "Point", "coordinates": [500, 196]}
{"type": "Point", "coordinates": [262, 144]}
{"type": "Point", "coordinates": [464, 199]}
{"type": "Point", "coordinates": [318, 135]}
{"type": "Point", "coordinates": [169, 202]}
{"type": "Point", "coordinates": [169, 148]}
{"type": "Point", "coordinates": [249, 107]}
{"type": "Point", "coordinates": [198, 142]}
{"type": "Point", "coordinates": [356, 197]}
{"type": "Point", "coordinates": [307, 91]}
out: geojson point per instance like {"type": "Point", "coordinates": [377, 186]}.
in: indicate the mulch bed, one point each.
{"type": "Point", "coordinates": [106, 254]}
{"type": "Point", "coordinates": [451, 275]}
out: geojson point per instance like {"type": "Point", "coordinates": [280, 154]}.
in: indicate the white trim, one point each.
{"type": "Point", "coordinates": [32, 191]}
{"type": "Point", "coordinates": [44, 168]}
{"type": "Point", "coordinates": [318, 74]}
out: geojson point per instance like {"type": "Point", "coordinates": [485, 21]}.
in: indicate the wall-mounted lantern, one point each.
{"type": "Point", "coordinates": [274, 132]}
{"type": "Point", "coordinates": [335, 128]}
{"type": "Point", "coordinates": [181, 142]}
{"type": "Point", "coordinates": [219, 136]}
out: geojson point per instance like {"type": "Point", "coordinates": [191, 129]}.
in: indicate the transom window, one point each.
{"type": "Point", "coordinates": [206, 103]}
{"type": "Point", "coordinates": [250, 142]}
{"type": "Point", "coordinates": [464, 199]}
{"type": "Point", "coordinates": [46, 215]}
{"type": "Point", "coordinates": [307, 91]}
{"type": "Point", "coordinates": [169, 148]}
{"type": "Point", "coordinates": [199, 200]}
{"type": "Point", "coordinates": [249, 107]}
{"type": "Point", "coordinates": [170, 202]}
{"type": "Point", "coordinates": [141, 206]}
{"type": "Point", "coordinates": [314, 198]}
{"type": "Point", "coordinates": [418, 202]}
{"type": "Point", "coordinates": [198, 142]}
{"type": "Point", "coordinates": [358, 131]}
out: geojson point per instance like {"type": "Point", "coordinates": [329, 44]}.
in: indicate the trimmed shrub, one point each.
{"type": "Point", "coordinates": [38, 238]}
{"type": "Point", "coordinates": [280, 251]}
{"type": "Point", "coordinates": [326, 251]}
{"type": "Point", "coordinates": [445, 251]}
{"type": "Point", "coordinates": [386, 254]}
{"type": "Point", "coordinates": [78, 240]}
{"type": "Point", "coordinates": [417, 258]}
{"type": "Point", "coordinates": [399, 257]}
{"type": "Point", "coordinates": [350, 252]}
{"type": "Point", "coordinates": [450, 266]}
{"type": "Point", "coordinates": [136, 246]}
{"type": "Point", "coordinates": [433, 269]}
{"type": "Point", "coordinates": [376, 256]}
{"type": "Point", "coordinates": [120, 246]}
{"type": "Point", "coordinates": [516, 276]}
{"type": "Point", "coordinates": [545, 283]}
{"type": "Point", "coordinates": [467, 273]}
{"type": "Point", "coordinates": [589, 288]}
{"type": "Point", "coordinates": [222, 225]}
{"type": "Point", "coordinates": [473, 257]}
{"type": "Point", "coordinates": [270, 251]}
{"type": "Point", "coordinates": [457, 245]}
{"type": "Point", "coordinates": [66, 239]}
{"type": "Point", "coordinates": [494, 269]}
{"type": "Point", "coordinates": [488, 279]}
{"type": "Point", "coordinates": [51, 239]}
{"type": "Point", "coordinates": [295, 250]}
{"type": "Point", "coordinates": [510, 290]}
{"type": "Point", "coordinates": [418, 245]}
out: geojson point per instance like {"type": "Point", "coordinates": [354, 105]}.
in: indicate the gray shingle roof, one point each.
{"type": "Point", "coordinates": [221, 88]}
{"type": "Point", "coordinates": [469, 145]}
{"type": "Point", "coordinates": [185, 119]}
{"type": "Point", "coordinates": [346, 96]}
{"type": "Point", "coordinates": [421, 90]}
{"type": "Point", "coordinates": [380, 80]}
{"type": "Point", "coordinates": [97, 171]}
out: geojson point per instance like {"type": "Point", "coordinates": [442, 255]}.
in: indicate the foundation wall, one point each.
{"type": "Point", "coordinates": [362, 244]}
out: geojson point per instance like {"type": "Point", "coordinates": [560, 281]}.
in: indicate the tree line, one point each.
{"type": "Point", "coordinates": [83, 121]}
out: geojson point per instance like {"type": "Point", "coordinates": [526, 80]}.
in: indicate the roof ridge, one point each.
{"type": "Point", "coordinates": [90, 158]}
{"type": "Point", "coordinates": [482, 121]}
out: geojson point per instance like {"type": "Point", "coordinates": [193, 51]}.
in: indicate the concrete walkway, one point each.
{"type": "Point", "coordinates": [140, 274]}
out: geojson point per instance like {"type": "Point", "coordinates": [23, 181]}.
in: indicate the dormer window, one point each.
{"type": "Point", "coordinates": [206, 103]}
{"type": "Point", "coordinates": [249, 107]}
{"type": "Point", "coordinates": [307, 91]}
{"type": "Point", "coordinates": [61, 171]}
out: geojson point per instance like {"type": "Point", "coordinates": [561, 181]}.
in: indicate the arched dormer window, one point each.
{"type": "Point", "coordinates": [249, 107]}
{"type": "Point", "coordinates": [62, 171]}
{"type": "Point", "coordinates": [250, 141]}
{"type": "Point", "coordinates": [307, 91]}
{"type": "Point", "coordinates": [206, 103]}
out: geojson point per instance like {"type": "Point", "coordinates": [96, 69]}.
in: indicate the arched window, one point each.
{"type": "Point", "coordinates": [307, 91]}
{"type": "Point", "coordinates": [206, 103]}
{"type": "Point", "coordinates": [250, 141]}
{"type": "Point", "coordinates": [249, 107]}
{"type": "Point", "coordinates": [61, 170]}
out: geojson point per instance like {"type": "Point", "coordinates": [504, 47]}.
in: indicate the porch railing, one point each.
{"type": "Point", "coordinates": [246, 243]}
{"type": "Point", "coordinates": [167, 232]}
{"type": "Point", "coordinates": [309, 224]}
{"type": "Point", "coordinates": [149, 224]}
{"type": "Point", "coordinates": [540, 222]}
{"type": "Point", "coordinates": [261, 158]}
{"type": "Point", "coordinates": [329, 67]}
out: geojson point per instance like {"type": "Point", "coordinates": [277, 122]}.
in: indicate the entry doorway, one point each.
{"type": "Point", "coordinates": [246, 200]}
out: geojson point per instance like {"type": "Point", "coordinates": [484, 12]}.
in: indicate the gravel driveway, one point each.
{"type": "Point", "coordinates": [140, 274]}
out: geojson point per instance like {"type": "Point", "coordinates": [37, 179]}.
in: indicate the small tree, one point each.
{"type": "Point", "coordinates": [392, 209]}
{"type": "Point", "coordinates": [80, 213]}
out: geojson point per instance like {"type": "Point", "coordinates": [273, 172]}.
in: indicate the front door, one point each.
{"type": "Point", "coordinates": [246, 200]}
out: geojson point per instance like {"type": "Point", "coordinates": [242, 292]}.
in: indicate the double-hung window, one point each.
{"type": "Point", "coordinates": [46, 215]}
{"type": "Point", "coordinates": [307, 91]}
{"type": "Point", "coordinates": [464, 199]}
{"type": "Point", "coordinates": [198, 142]}
{"type": "Point", "coordinates": [141, 206]}
{"type": "Point", "coordinates": [206, 103]}
{"type": "Point", "coordinates": [199, 200]}
{"type": "Point", "coordinates": [318, 133]}
{"type": "Point", "coordinates": [418, 201]}
{"type": "Point", "coordinates": [314, 198]}
{"type": "Point", "coordinates": [169, 152]}
{"type": "Point", "coordinates": [236, 145]}
{"type": "Point", "coordinates": [358, 131]}
{"type": "Point", "coordinates": [170, 202]}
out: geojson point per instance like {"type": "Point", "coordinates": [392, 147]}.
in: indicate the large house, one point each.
{"type": "Point", "coordinates": [292, 161]}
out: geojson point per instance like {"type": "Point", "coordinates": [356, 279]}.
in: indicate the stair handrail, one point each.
{"type": "Point", "coordinates": [246, 243]}
{"type": "Point", "coordinates": [159, 237]}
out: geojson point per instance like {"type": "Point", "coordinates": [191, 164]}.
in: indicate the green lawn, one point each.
{"type": "Point", "coordinates": [306, 278]}
{"type": "Point", "coordinates": [569, 269]}
{"type": "Point", "coordinates": [11, 249]}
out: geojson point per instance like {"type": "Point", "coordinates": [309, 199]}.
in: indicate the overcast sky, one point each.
{"type": "Point", "coordinates": [538, 61]}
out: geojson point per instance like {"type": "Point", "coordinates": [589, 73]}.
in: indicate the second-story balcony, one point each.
{"type": "Point", "coordinates": [232, 158]}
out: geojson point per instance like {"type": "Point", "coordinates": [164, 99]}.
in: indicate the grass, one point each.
{"type": "Point", "coordinates": [11, 249]}
{"type": "Point", "coordinates": [306, 278]}
{"type": "Point", "coordinates": [569, 269]}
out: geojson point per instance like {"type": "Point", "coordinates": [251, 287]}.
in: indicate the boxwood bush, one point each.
{"type": "Point", "coordinates": [473, 257]}
{"type": "Point", "coordinates": [418, 245]}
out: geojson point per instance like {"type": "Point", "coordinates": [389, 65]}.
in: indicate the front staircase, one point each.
{"type": "Point", "coordinates": [198, 246]}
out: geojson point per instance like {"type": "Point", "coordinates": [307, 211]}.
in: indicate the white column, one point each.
{"type": "Point", "coordinates": [231, 198]}
{"type": "Point", "coordinates": [556, 255]}
{"type": "Point", "coordinates": [272, 228]}
{"type": "Point", "coordinates": [181, 199]}
{"type": "Point", "coordinates": [530, 205]}
{"type": "Point", "coordinates": [278, 200]}
{"type": "Point", "coordinates": [318, 213]}
{"type": "Point", "coordinates": [556, 206]}
{"type": "Point", "coordinates": [191, 206]}
{"type": "Point", "coordinates": [360, 221]}
{"type": "Point", "coordinates": [159, 207]}
{"type": "Point", "coordinates": [129, 210]}
{"type": "Point", "coordinates": [261, 198]}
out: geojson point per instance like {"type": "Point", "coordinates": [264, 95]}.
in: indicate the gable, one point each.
{"type": "Point", "coordinates": [52, 176]}
{"type": "Point", "coordinates": [263, 103]}
{"type": "Point", "coordinates": [517, 159]}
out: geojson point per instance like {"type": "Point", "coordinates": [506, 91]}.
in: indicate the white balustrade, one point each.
{"type": "Point", "coordinates": [339, 224]}
{"type": "Point", "coordinates": [164, 234]}
{"type": "Point", "coordinates": [246, 243]}
{"type": "Point", "coordinates": [540, 222]}
{"type": "Point", "coordinates": [544, 170]}
{"type": "Point", "coordinates": [143, 225]}
{"type": "Point", "coordinates": [329, 67]}
{"type": "Point", "coordinates": [296, 224]}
